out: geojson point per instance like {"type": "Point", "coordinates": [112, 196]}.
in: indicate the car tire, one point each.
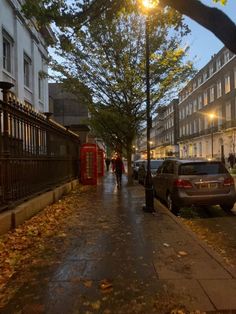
{"type": "Point", "coordinates": [171, 206]}
{"type": "Point", "coordinates": [227, 206]}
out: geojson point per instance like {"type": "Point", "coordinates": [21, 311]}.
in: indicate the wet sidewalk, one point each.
{"type": "Point", "coordinates": [119, 259]}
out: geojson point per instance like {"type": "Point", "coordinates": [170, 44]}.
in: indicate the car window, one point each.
{"type": "Point", "coordinates": [155, 164]}
{"type": "Point", "coordinates": [203, 168]}
{"type": "Point", "coordinates": [168, 167]}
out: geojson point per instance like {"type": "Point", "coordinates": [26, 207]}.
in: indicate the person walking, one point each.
{"type": "Point", "coordinates": [107, 161]}
{"type": "Point", "coordinates": [119, 169]}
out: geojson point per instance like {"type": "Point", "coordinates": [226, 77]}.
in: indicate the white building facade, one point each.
{"type": "Point", "coordinates": [23, 56]}
{"type": "Point", "coordinates": [207, 110]}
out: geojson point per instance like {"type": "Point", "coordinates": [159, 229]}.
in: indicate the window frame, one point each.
{"type": "Point", "coordinates": [27, 66]}
{"type": "Point", "coordinates": [7, 61]}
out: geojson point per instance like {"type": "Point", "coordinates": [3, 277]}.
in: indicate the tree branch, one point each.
{"type": "Point", "coordinates": [211, 18]}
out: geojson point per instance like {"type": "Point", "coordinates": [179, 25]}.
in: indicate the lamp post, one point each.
{"type": "Point", "coordinates": [149, 199]}
{"type": "Point", "coordinates": [211, 116]}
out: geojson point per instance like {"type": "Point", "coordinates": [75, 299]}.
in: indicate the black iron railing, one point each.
{"type": "Point", "coordinates": [35, 153]}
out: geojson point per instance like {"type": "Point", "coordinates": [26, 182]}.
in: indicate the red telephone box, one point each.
{"type": "Point", "coordinates": [100, 162]}
{"type": "Point", "coordinates": [89, 163]}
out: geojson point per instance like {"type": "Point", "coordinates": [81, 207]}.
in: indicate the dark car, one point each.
{"type": "Point", "coordinates": [135, 167]}
{"type": "Point", "coordinates": [194, 182]}
{"type": "Point", "coordinates": [154, 165]}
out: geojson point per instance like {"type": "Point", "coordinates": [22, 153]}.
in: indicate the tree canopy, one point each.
{"type": "Point", "coordinates": [76, 13]}
{"type": "Point", "coordinates": [108, 56]}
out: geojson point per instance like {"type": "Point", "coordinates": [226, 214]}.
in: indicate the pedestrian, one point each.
{"type": "Point", "coordinates": [119, 169]}
{"type": "Point", "coordinates": [231, 160]}
{"type": "Point", "coordinates": [113, 164]}
{"type": "Point", "coordinates": [107, 161]}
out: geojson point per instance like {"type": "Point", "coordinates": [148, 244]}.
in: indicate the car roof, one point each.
{"type": "Point", "coordinates": [183, 161]}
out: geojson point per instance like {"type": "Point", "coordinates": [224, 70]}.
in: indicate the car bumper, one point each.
{"type": "Point", "coordinates": [182, 199]}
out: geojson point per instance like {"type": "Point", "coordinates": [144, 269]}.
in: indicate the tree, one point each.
{"type": "Point", "coordinates": [108, 56]}
{"type": "Point", "coordinates": [60, 12]}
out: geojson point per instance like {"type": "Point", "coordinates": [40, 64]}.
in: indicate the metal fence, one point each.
{"type": "Point", "coordinates": [35, 153]}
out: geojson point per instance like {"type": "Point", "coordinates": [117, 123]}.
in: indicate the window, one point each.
{"type": "Point", "coordinates": [168, 167]}
{"type": "Point", "coordinates": [205, 76]}
{"type": "Point", "coordinates": [206, 122]}
{"type": "Point", "coordinates": [199, 124]}
{"type": "Point", "coordinates": [27, 70]}
{"type": "Point", "coordinates": [220, 119]}
{"type": "Point", "coordinates": [227, 83]}
{"type": "Point", "coordinates": [194, 126]}
{"type": "Point", "coordinates": [40, 87]}
{"type": "Point", "coordinates": [187, 129]}
{"type": "Point", "coordinates": [199, 101]}
{"type": "Point", "coordinates": [218, 64]}
{"type": "Point", "coordinates": [180, 114]}
{"type": "Point", "coordinates": [190, 108]}
{"type": "Point", "coordinates": [228, 111]}
{"type": "Point", "coordinates": [7, 53]}
{"type": "Point", "coordinates": [195, 105]}
{"type": "Point", "coordinates": [218, 89]}
{"type": "Point", "coordinates": [212, 93]}
{"type": "Point", "coordinates": [186, 110]}
{"type": "Point", "coordinates": [226, 56]}
{"type": "Point", "coordinates": [199, 80]}
{"type": "Point", "coordinates": [211, 69]}
{"type": "Point", "coordinates": [205, 99]}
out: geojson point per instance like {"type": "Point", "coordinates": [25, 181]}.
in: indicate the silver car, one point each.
{"type": "Point", "coordinates": [194, 182]}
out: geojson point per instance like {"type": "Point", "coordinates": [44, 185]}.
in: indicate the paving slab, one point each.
{"type": "Point", "coordinates": [222, 293]}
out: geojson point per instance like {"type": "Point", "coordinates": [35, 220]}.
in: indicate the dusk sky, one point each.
{"type": "Point", "coordinates": [203, 44]}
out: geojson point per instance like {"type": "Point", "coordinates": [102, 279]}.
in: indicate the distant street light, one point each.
{"type": "Point", "coordinates": [149, 198]}
{"type": "Point", "coordinates": [212, 116]}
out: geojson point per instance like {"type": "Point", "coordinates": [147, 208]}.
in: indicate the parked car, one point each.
{"type": "Point", "coordinates": [136, 165]}
{"type": "Point", "coordinates": [194, 182]}
{"type": "Point", "coordinates": [154, 165]}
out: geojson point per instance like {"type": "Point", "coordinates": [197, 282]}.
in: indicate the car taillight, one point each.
{"type": "Point", "coordinates": [228, 181]}
{"type": "Point", "coordinates": [184, 184]}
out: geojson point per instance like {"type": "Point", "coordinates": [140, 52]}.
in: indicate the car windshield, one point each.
{"type": "Point", "coordinates": [202, 168]}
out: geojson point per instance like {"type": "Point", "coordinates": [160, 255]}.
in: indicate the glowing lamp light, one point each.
{"type": "Point", "coordinates": [149, 4]}
{"type": "Point", "coordinates": [211, 116]}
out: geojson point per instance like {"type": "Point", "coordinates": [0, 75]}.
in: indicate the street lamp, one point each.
{"type": "Point", "coordinates": [211, 116]}
{"type": "Point", "coordinates": [149, 199]}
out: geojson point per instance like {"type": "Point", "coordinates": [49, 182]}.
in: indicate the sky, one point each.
{"type": "Point", "coordinates": [203, 44]}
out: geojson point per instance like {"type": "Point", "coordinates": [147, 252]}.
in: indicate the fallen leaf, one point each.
{"type": "Point", "coordinates": [96, 305]}
{"type": "Point", "coordinates": [88, 283]}
{"type": "Point", "coordinates": [182, 253]}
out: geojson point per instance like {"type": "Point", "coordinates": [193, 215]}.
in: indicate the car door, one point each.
{"type": "Point", "coordinates": [167, 178]}
{"type": "Point", "coordinates": [156, 182]}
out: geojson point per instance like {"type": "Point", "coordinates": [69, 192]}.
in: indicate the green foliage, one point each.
{"type": "Point", "coordinates": [221, 1]}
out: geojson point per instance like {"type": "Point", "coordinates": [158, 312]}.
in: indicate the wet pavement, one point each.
{"type": "Point", "coordinates": [119, 259]}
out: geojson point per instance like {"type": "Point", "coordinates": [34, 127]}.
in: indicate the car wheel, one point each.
{"type": "Point", "coordinates": [171, 206]}
{"type": "Point", "coordinates": [227, 206]}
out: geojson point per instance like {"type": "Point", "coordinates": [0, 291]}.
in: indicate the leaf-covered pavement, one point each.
{"type": "Point", "coordinates": [35, 243]}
